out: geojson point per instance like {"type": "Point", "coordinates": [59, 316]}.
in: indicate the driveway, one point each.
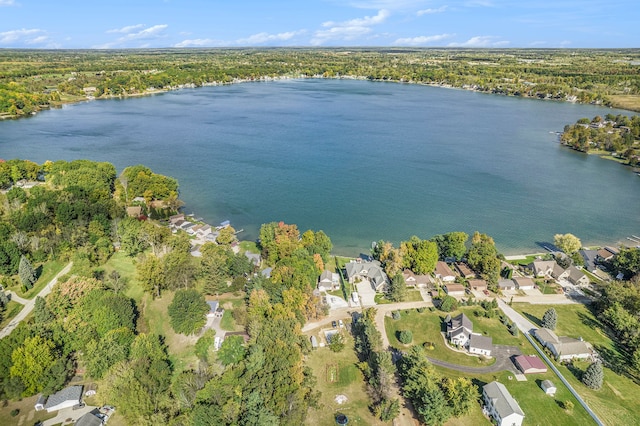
{"type": "Point", "coordinates": [367, 293]}
{"type": "Point", "coordinates": [65, 414]}
{"type": "Point", "coordinates": [502, 353]}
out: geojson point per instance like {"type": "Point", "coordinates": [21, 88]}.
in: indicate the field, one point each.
{"type": "Point", "coordinates": [49, 270]}
{"type": "Point", "coordinates": [618, 400]}
{"type": "Point", "coordinates": [13, 309]}
{"type": "Point", "coordinates": [26, 416]}
{"type": "Point", "coordinates": [337, 374]}
{"type": "Point", "coordinates": [630, 102]}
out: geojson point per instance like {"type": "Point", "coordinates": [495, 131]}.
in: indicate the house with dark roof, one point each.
{"type": "Point", "coordinates": [500, 405]}
{"type": "Point", "coordinates": [215, 311]}
{"type": "Point", "coordinates": [590, 258]}
{"type": "Point", "coordinates": [67, 397]}
{"type": "Point", "coordinates": [90, 419]}
{"type": "Point", "coordinates": [530, 364]}
{"type": "Point", "coordinates": [459, 330]}
{"type": "Point", "coordinates": [480, 345]}
{"type": "Point", "coordinates": [464, 270]}
{"type": "Point", "coordinates": [370, 271]}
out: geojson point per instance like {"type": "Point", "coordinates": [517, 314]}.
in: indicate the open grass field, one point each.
{"type": "Point", "coordinates": [227, 322]}
{"type": "Point", "coordinates": [618, 400]}
{"type": "Point", "coordinates": [337, 374]}
{"type": "Point", "coordinates": [412, 296]}
{"type": "Point", "coordinates": [127, 269]}
{"type": "Point", "coordinates": [630, 102]}
{"type": "Point", "coordinates": [180, 347]}
{"type": "Point", "coordinates": [26, 416]}
{"type": "Point", "coordinates": [49, 270]}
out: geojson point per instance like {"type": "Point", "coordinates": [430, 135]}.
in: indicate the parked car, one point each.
{"type": "Point", "coordinates": [340, 323]}
{"type": "Point", "coordinates": [486, 292]}
{"type": "Point", "coordinates": [334, 324]}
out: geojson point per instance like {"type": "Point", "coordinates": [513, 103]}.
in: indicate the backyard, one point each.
{"type": "Point", "coordinates": [617, 401]}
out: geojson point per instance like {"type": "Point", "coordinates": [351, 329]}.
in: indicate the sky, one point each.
{"type": "Point", "coordinates": [115, 24]}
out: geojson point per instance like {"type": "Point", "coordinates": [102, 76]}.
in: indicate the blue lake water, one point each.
{"type": "Point", "coordinates": [360, 160]}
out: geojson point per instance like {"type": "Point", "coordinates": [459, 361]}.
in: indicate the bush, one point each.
{"type": "Point", "coordinates": [405, 336]}
{"type": "Point", "coordinates": [593, 376]}
{"type": "Point", "coordinates": [420, 310]}
{"type": "Point", "coordinates": [14, 412]}
{"type": "Point", "coordinates": [395, 315]}
{"type": "Point", "coordinates": [336, 343]}
{"type": "Point", "coordinates": [429, 346]}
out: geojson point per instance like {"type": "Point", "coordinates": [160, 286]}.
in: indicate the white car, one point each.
{"type": "Point", "coordinates": [340, 323]}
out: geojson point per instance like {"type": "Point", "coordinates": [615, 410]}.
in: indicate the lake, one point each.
{"type": "Point", "coordinates": [361, 160]}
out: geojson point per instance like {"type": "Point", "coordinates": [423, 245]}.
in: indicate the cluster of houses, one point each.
{"type": "Point", "coordinates": [564, 348]}
{"type": "Point", "coordinates": [551, 270]}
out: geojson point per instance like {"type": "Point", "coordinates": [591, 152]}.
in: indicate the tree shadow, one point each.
{"type": "Point", "coordinates": [577, 373]}
{"type": "Point", "coordinates": [547, 246]}
{"type": "Point", "coordinates": [39, 271]}
{"type": "Point", "coordinates": [533, 319]}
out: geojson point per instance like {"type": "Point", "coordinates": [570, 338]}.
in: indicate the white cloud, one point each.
{"type": "Point", "coordinates": [387, 4]}
{"type": "Point", "coordinates": [126, 29]}
{"type": "Point", "coordinates": [431, 11]}
{"type": "Point", "coordinates": [7, 3]}
{"type": "Point", "coordinates": [348, 30]}
{"type": "Point", "coordinates": [479, 3]}
{"type": "Point", "coordinates": [23, 36]}
{"type": "Point", "coordinates": [199, 42]}
{"type": "Point", "coordinates": [481, 41]}
{"type": "Point", "coordinates": [421, 40]}
{"type": "Point", "coordinates": [132, 34]}
{"type": "Point", "coordinates": [261, 38]}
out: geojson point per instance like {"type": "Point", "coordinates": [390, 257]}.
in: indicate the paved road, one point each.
{"type": "Point", "coordinates": [502, 353]}
{"type": "Point", "coordinates": [525, 326]}
{"type": "Point", "coordinates": [29, 304]}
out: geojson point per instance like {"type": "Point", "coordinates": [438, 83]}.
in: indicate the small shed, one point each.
{"type": "Point", "coordinates": [314, 342]}
{"type": "Point", "coordinates": [39, 406]}
{"type": "Point", "coordinates": [548, 387]}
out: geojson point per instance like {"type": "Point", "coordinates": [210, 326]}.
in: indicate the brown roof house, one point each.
{"type": "Point", "coordinates": [443, 272]}
{"type": "Point", "coordinates": [478, 284]}
{"type": "Point", "coordinates": [524, 283]}
{"type": "Point", "coordinates": [454, 289]}
{"type": "Point", "coordinates": [464, 270]}
{"type": "Point", "coordinates": [414, 280]}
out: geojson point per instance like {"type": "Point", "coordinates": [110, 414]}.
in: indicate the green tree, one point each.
{"type": "Point", "coordinates": [204, 343]}
{"type": "Point", "coordinates": [232, 350]}
{"type": "Point", "coordinates": [405, 336]}
{"type": "Point", "coordinates": [448, 304]}
{"type": "Point", "coordinates": [594, 375]}
{"type": "Point", "coordinates": [31, 362]}
{"type": "Point", "coordinates": [151, 275]}
{"type": "Point", "coordinates": [483, 257]}
{"type": "Point", "coordinates": [419, 255]}
{"type": "Point", "coordinates": [27, 273]}
{"type": "Point", "coordinates": [397, 289]}
{"type": "Point", "coordinates": [187, 311]}
{"type": "Point", "coordinates": [550, 319]}
{"type": "Point", "coordinates": [568, 243]}
{"type": "Point", "coordinates": [336, 343]}
{"type": "Point", "coordinates": [452, 245]}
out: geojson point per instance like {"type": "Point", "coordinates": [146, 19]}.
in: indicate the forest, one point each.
{"type": "Point", "coordinates": [31, 80]}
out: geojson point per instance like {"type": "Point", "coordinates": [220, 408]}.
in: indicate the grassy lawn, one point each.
{"type": "Point", "coordinates": [617, 401]}
{"type": "Point", "coordinates": [337, 374]}
{"type": "Point", "coordinates": [427, 327]}
{"type": "Point", "coordinates": [49, 270]}
{"type": "Point", "coordinates": [227, 322]}
{"type": "Point", "coordinates": [127, 270]}
{"type": "Point", "coordinates": [631, 102]}
{"type": "Point", "coordinates": [249, 246]}
{"type": "Point", "coordinates": [524, 261]}
{"type": "Point", "coordinates": [180, 347]}
{"type": "Point", "coordinates": [547, 288]}
{"type": "Point", "coordinates": [27, 415]}
{"type": "Point", "coordinates": [13, 309]}
{"type": "Point", "coordinates": [412, 296]}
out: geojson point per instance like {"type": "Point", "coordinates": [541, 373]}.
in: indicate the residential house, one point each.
{"type": "Point", "coordinates": [90, 419]}
{"type": "Point", "coordinates": [524, 283]}
{"type": "Point", "coordinates": [365, 270]}
{"type": "Point", "coordinates": [204, 230]}
{"type": "Point", "coordinates": [39, 405]}
{"type": "Point", "coordinates": [530, 364]}
{"type": "Point", "coordinates": [559, 273]}
{"type": "Point", "coordinates": [215, 310]}
{"type": "Point", "coordinates": [480, 345]}
{"type": "Point", "coordinates": [314, 342]}
{"type": "Point", "coordinates": [67, 397]}
{"type": "Point", "coordinates": [563, 348]}
{"type": "Point", "coordinates": [590, 258]}
{"type": "Point", "coordinates": [454, 289]}
{"type": "Point", "coordinates": [459, 330]}
{"type": "Point", "coordinates": [607, 253]}
{"type": "Point", "coordinates": [500, 405]}
{"type": "Point", "coordinates": [413, 280]}
{"type": "Point", "coordinates": [444, 273]}
{"type": "Point", "coordinates": [329, 281]}
{"type": "Point", "coordinates": [478, 284]}
{"type": "Point", "coordinates": [176, 217]}
{"type": "Point", "coordinates": [506, 285]}
{"type": "Point", "coordinates": [577, 277]}
{"type": "Point", "coordinates": [548, 387]}
{"type": "Point", "coordinates": [464, 270]}
{"type": "Point", "coordinates": [254, 258]}
{"type": "Point", "coordinates": [266, 272]}
{"type": "Point", "coordinates": [542, 268]}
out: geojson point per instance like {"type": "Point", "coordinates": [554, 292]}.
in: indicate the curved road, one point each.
{"type": "Point", "coordinates": [29, 304]}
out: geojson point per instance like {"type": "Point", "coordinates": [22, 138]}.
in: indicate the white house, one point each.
{"type": "Point", "coordinates": [67, 397]}
{"type": "Point", "coordinates": [524, 283]}
{"type": "Point", "coordinates": [563, 348]}
{"type": "Point", "coordinates": [577, 277]}
{"type": "Point", "coordinates": [480, 345]}
{"type": "Point", "coordinates": [329, 281]}
{"type": "Point", "coordinates": [459, 330]}
{"type": "Point", "coordinates": [499, 404]}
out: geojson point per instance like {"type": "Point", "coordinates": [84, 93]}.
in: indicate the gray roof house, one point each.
{"type": "Point", "coordinates": [500, 405]}
{"type": "Point", "coordinates": [371, 271]}
{"type": "Point", "coordinates": [67, 397]}
{"type": "Point", "coordinates": [576, 276]}
{"type": "Point", "coordinates": [506, 285]}
{"type": "Point", "coordinates": [563, 348]}
{"type": "Point", "coordinates": [480, 345]}
{"type": "Point", "coordinates": [590, 258]}
{"type": "Point", "coordinates": [89, 419]}
{"type": "Point", "coordinates": [542, 268]}
{"type": "Point", "coordinates": [459, 330]}
{"type": "Point", "coordinates": [524, 283]}
{"type": "Point", "coordinates": [328, 281]}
